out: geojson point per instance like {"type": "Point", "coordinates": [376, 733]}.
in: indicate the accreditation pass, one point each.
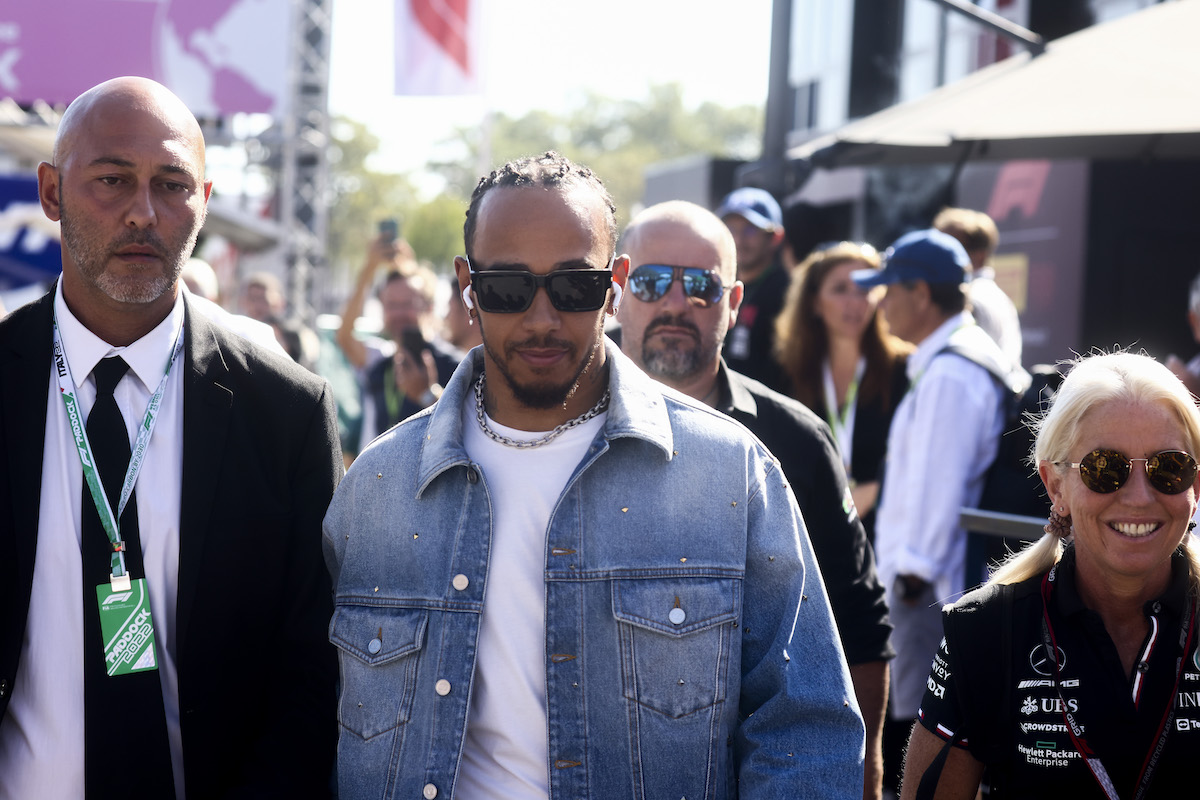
{"type": "Point", "coordinates": [127, 628]}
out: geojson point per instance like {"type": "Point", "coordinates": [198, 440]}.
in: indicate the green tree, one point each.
{"type": "Point", "coordinates": [617, 138]}
{"type": "Point", "coordinates": [361, 197]}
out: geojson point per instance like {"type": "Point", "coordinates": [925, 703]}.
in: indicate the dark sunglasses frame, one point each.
{"type": "Point", "coordinates": [689, 277]}
{"type": "Point", "coordinates": [1105, 471]}
{"type": "Point", "coordinates": [569, 290]}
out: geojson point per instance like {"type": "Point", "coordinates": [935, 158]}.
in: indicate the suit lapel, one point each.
{"type": "Point", "coordinates": [207, 405]}
{"type": "Point", "coordinates": [24, 377]}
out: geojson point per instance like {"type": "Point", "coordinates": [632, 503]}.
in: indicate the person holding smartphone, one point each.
{"type": "Point", "coordinates": [401, 378]}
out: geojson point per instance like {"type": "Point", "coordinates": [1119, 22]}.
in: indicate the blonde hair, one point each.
{"type": "Point", "coordinates": [1095, 380]}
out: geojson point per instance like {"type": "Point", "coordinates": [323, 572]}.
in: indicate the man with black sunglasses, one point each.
{"type": "Point", "coordinates": [566, 579]}
{"type": "Point", "coordinates": [683, 295]}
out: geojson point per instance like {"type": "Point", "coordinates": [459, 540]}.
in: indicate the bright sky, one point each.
{"type": "Point", "coordinates": [544, 54]}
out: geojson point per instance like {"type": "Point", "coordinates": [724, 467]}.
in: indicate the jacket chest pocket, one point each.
{"type": "Point", "coordinates": [378, 651]}
{"type": "Point", "coordinates": [676, 640]}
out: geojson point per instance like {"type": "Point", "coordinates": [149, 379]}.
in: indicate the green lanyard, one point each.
{"type": "Point", "coordinates": [110, 521]}
{"type": "Point", "coordinates": [841, 421]}
{"type": "Point", "coordinates": [392, 396]}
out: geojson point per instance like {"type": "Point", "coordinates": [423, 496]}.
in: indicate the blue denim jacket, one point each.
{"type": "Point", "coordinates": [746, 694]}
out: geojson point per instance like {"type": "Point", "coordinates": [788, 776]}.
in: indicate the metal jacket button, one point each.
{"type": "Point", "coordinates": [429, 792]}
{"type": "Point", "coordinates": [374, 646]}
{"type": "Point", "coordinates": [460, 582]}
{"type": "Point", "coordinates": [472, 477]}
{"type": "Point", "coordinates": [677, 616]}
{"type": "Point", "coordinates": [442, 687]}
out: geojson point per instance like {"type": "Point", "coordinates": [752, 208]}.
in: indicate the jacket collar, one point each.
{"type": "Point", "coordinates": [637, 409]}
{"type": "Point", "coordinates": [1174, 598]}
{"type": "Point", "coordinates": [932, 344]}
{"type": "Point", "coordinates": [732, 394]}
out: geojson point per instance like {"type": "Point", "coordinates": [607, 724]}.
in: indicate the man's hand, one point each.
{"type": "Point", "coordinates": [416, 380]}
{"type": "Point", "coordinates": [909, 588]}
{"type": "Point", "coordinates": [396, 254]}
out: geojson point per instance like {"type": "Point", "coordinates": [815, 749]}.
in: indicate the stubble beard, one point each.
{"type": "Point", "coordinates": [672, 359]}
{"type": "Point", "coordinates": [91, 258]}
{"type": "Point", "coordinates": [543, 396]}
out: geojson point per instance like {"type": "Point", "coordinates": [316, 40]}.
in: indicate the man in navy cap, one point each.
{"type": "Point", "coordinates": [756, 222]}
{"type": "Point", "coordinates": [942, 440]}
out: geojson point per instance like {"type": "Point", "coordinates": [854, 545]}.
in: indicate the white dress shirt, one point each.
{"type": "Point", "coordinates": [942, 440]}
{"type": "Point", "coordinates": [41, 736]}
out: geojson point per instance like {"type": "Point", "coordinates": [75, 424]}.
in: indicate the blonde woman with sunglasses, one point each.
{"type": "Point", "coordinates": [1074, 671]}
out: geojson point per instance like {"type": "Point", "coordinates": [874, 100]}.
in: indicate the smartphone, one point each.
{"type": "Point", "coordinates": [389, 229]}
{"type": "Point", "coordinates": [413, 342]}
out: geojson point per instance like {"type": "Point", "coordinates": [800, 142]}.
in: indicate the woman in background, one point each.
{"type": "Point", "coordinates": [843, 364]}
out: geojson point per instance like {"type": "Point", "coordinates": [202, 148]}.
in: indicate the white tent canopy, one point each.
{"type": "Point", "coordinates": [1129, 88]}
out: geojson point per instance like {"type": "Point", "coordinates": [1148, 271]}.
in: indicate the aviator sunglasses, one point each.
{"type": "Point", "coordinates": [511, 291]}
{"type": "Point", "coordinates": [650, 282]}
{"type": "Point", "coordinates": [1105, 471]}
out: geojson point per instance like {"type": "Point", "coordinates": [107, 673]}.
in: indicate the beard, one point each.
{"type": "Point", "coordinates": [91, 256]}
{"type": "Point", "coordinates": [547, 393]}
{"type": "Point", "coordinates": [674, 358]}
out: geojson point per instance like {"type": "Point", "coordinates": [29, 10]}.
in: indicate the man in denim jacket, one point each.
{"type": "Point", "coordinates": [657, 625]}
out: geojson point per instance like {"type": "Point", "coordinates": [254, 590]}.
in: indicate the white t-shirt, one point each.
{"type": "Point", "coordinates": [506, 750]}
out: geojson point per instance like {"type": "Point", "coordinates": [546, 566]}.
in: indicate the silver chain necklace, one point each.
{"type": "Point", "coordinates": [528, 443]}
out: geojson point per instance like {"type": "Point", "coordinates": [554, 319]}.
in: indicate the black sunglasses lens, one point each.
{"type": "Point", "coordinates": [650, 282]}
{"type": "Point", "coordinates": [1172, 471]}
{"type": "Point", "coordinates": [503, 293]}
{"type": "Point", "coordinates": [578, 290]}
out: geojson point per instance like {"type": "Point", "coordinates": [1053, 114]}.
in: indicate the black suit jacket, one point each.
{"type": "Point", "coordinates": [260, 462]}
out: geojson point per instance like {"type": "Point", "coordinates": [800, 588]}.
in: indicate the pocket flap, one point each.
{"type": "Point", "coordinates": [377, 635]}
{"type": "Point", "coordinates": [676, 606]}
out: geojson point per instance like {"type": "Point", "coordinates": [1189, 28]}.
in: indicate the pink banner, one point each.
{"type": "Point", "coordinates": [220, 56]}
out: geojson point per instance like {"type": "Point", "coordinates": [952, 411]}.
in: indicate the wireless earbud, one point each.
{"type": "Point", "coordinates": [617, 292]}
{"type": "Point", "coordinates": [467, 301]}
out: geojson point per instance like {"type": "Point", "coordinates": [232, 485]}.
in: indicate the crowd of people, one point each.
{"type": "Point", "coordinates": [649, 513]}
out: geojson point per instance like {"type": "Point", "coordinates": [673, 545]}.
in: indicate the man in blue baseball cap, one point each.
{"type": "Point", "coordinates": [756, 222]}
{"type": "Point", "coordinates": [942, 439]}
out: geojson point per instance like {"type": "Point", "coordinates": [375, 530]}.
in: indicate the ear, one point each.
{"type": "Point", "coordinates": [48, 190]}
{"type": "Point", "coordinates": [207, 190]}
{"type": "Point", "coordinates": [620, 277]}
{"type": "Point", "coordinates": [462, 272]}
{"type": "Point", "coordinates": [1052, 479]}
{"type": "Point", "coordinates": [921, 295]}
{"type": "Point", "coordinates": [737, 293]}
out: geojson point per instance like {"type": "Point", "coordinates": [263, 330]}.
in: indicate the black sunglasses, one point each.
{"type": "Point", "coordinates": [511, 291]}
{"type": "Point", "coordinates": [650, 282]}
{"type": "Point", "coordinates": [1105, 471]}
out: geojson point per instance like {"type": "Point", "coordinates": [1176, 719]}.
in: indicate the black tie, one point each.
{"type": "Point", "coordinates": [126, 750]}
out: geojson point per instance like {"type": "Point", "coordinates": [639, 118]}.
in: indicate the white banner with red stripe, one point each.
{"type": "Point", "coordinates": [437, 47]}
